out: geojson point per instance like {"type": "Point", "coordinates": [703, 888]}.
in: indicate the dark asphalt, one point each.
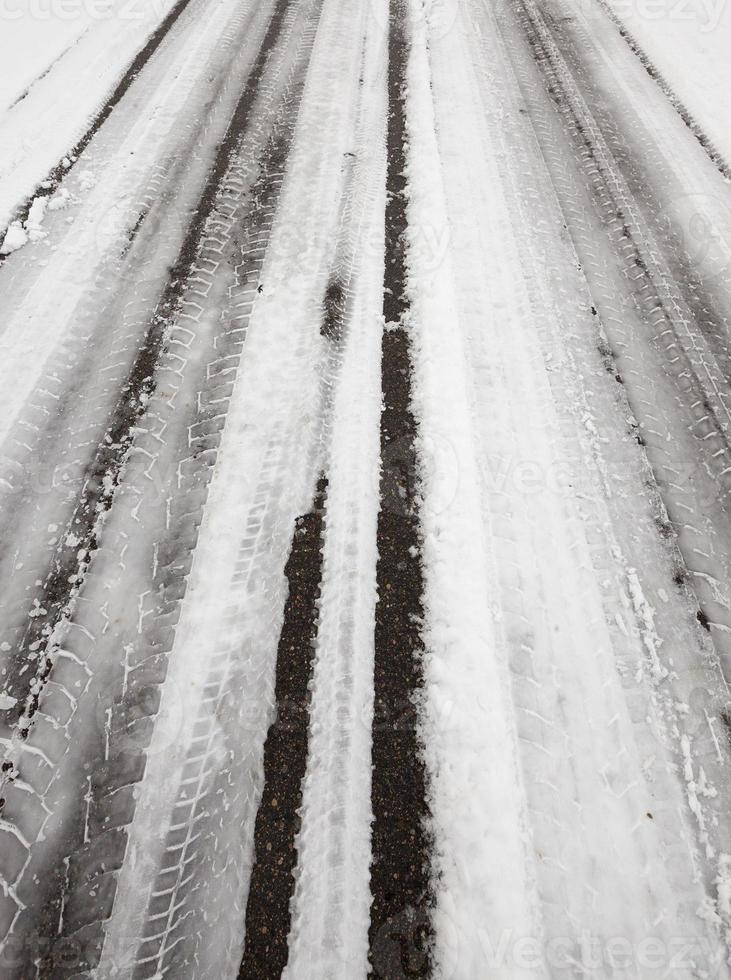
{"type": "Point", "coordinates": [268, 916]}
{"type": "Point", "coordinates": [400, 921]}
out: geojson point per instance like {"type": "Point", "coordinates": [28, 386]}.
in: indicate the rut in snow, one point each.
{"type": "Point", "coordinates": [400, 922]}
{"type": "Point", "coordinates": [271, 885]}
{"type": "Point", "coordinates": [678, 313]}
{"type": "Point", "coordinates": [52, 182]}
{"type": "Point", "coordinates": [75, 549]}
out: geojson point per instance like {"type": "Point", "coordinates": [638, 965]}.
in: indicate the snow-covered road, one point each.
{"type": "Point", "coordinates": [365, 512]}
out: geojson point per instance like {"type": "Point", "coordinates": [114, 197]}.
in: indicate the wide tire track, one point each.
{"type": "Point", "coordinates": [682, 353]}
{"type": "Point", "coordinates": [87, 892]}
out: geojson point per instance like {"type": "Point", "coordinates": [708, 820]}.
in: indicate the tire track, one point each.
{"type": "Point", "coordinates": [712, 151]}
{"type": "Point", "coordinates": [185, 871]}
{"type": "Point", "coordinates": [400, 926]}
{"type": "Point", "coordinates": [81, 897]}
{"type": "Point", "coordinates": [612, 536]}
{"type": "Point", "coordinates": [50, 184]}
{"type": "Point", "coordinates": [26, 91]}
{"type": "Point", "coordinates": [268, 913]}
{"type": "Point", "coordinates": [286, 750]}
{"type": "Point", "coordinates": [51, 435]}
{"type": "Point", "coordinates": [687, 360]}
{"type": "Point", "coordinates": [525, 313]}
{"type": "Point", "coordinates": [331, 902]}
{"type": "Point", "coordinates": [651, 380]}
{"type": "Point", "coordinates": [651, 183]}
{"type": "Point", "coordinates": [64, 579]}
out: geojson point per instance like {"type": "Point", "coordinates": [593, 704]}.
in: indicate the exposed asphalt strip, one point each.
{"type": "Point", "coordinates": [400, 930]}
{"type": "Point", "coordinates": [52, 181]}
{"type": "Point", "coordinates": [70, 561]}
{"type": "Point", "coordinates": [268, 914]}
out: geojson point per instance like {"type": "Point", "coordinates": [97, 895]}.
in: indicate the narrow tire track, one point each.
{"type": "Point", "coordinates": [400, 924]}
{"type": "Point", "coordinates": [268, 913]}
{"type": "Point", "coordinates": [52, 181]}
{"type": "Point", "coordinates": [710, 148]}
